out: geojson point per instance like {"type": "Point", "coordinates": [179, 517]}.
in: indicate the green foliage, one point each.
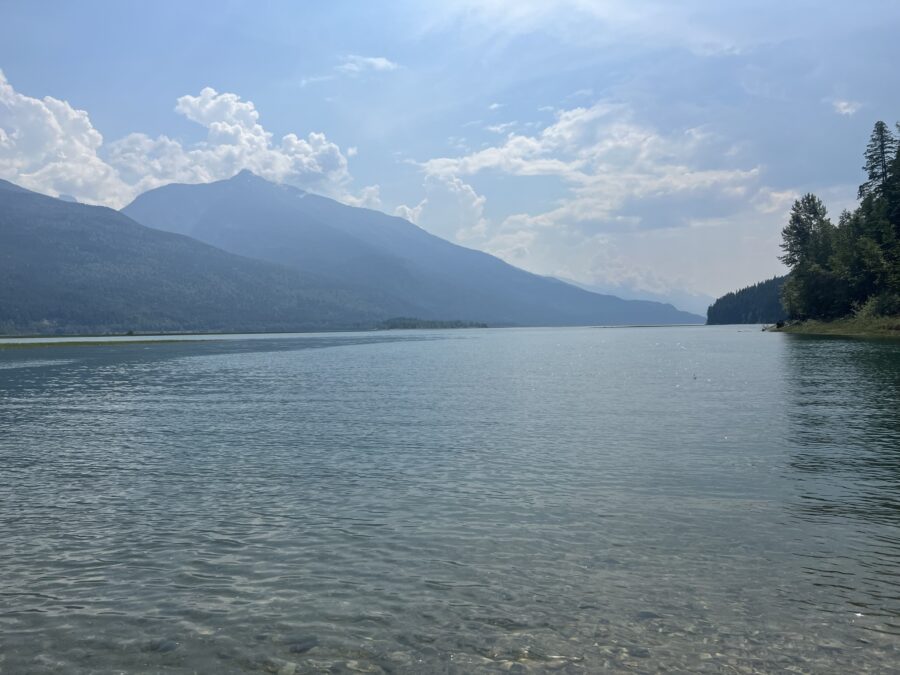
{"type": "Point", "coordinates": [808, 234]}
{"type": "Point", "coordinates": [406, 323]}
{"type": "Point", "coordinates": [70, 268]}
{"type": "Point", "coordinates": [760, 303]}
{"type": "Point", "coordinates": [880, 154]}
{"type": "Point", "coordinates": [854, 267]}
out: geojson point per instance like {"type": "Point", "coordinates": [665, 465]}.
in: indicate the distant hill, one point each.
{"type": "Point", "coordinates": [367, 249]}
{"type": "Point", "coordinates": [70, 268]}
{"type": "Point", "coordinates": [760, 303]}
{"type": "Point", "coordinates": [695, 303]}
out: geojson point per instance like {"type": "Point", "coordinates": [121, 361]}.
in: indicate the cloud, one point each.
{"type": "Point", "coordinates": [235, 140]}
{"type": "Point", "coordinates": [843, 107]}
{"type": "Point", "coordinates": [411, 213]}
{"type": "Point", "coordinates": [354, 64]}
{"type": "Point", "coordinates": [496, 106]}
{"type": "Point", "coordinates": [315, 79]}
{"type": "Point", "coordinates": [581, 93]}
{"type": "Point", "coordinates": [451, 209]}
{"type": "Point", "coordinates": [49, 146]}
{"type": "Point", "coordinates": [656, 24]}
{"type": "Point", "coordinates": [369, 197]}
{"type": "Point", "coordinates": [623, 184]}
{"type": "Point", "coordinates": [606, 160]}
{"type": "Point", "coordinates": [501, 128]}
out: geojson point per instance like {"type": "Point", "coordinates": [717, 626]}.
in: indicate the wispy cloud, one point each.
{"type": "Point", "coordinates": [496, 106]}
{"type": "Point", "coordinates": [501, 128]}
{"type": "Point", "coordinates": [315, 79]}
{"type": "Point", "coordinates": [355, 64]}
{"type": "Point", "coordinates": [844, 107]}
{"type": "Point", "coordinates": [581, 93]}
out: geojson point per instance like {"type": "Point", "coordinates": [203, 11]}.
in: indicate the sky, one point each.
{"type": "Point", "coordinates": [641, 147]}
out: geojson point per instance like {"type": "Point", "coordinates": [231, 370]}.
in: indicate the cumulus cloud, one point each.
{"type": "Point", "coordinates": [605, 159]}
{"type": "Point", "coordinates": [621, 181]}
{"type": "Point", "coordinates": [369, 197]}
{"type": "Point", "coordinates": [411, 213]}
{"type": "Point", "coordinates": [49, 146]}
{"type": "Point", "coordinates": [451, 209]}
{"type": "Point", "coordinates": [235, 140]}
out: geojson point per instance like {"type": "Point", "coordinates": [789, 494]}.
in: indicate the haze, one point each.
{"type": "Point", "coordinates": [647, 151]}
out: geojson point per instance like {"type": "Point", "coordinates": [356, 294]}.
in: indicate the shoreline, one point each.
{"type": "Point", "coordinates": [877, 327]}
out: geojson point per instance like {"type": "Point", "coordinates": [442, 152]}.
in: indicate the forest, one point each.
{"type": "Point", "coordinates": [759, 303]}
{"type": "Point", "coordinates": [853, 267]}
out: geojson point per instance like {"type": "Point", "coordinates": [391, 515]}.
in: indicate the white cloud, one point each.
{"type": "Point", "coordinates": [355, 64]}
{"type": "Point", "coordinates": [411, 213]}
{"type": "Point", "coordinates": [48, 146]}
{"type": "Point", "coordinates": [663, 24]}
{"type": "Point", "coordinates": [315, 79]}
{"type": "Point", "coordinates": [496, 106]}
{"type": "Point", "coordinates": [235, 141]}
{"type": "Point", "coordinates": [369, 197]}
{"type": "Point", "coordinates": [501, 128]}
{"type": "Point", "coordinates": [581, 93]}
{"type": "Point", "coordinates": [624, 185]}
{"type": "Point", "coordinates": [452, 209]}
{"type": "Point", "coordinates": [605, 159]}
{"type": "Point", "coordinates": [843, 107]}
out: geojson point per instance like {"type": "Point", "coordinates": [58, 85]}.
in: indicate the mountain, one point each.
{"type": "Point", "coordinates": [361, 248]}
{"type": "Point", "coordinates": [69, 268]}
{"type": "Point", "coordinates": [760, 303]}
{"type": "Point", "coordinates": [696, 303]}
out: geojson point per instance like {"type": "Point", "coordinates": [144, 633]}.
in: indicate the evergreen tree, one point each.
{"type": "Point", "coordinates": [854, 267]}
{"type": "Point", "coordinates": [806, 237]}
{"type": "Point", "coordinates": [880, 154]}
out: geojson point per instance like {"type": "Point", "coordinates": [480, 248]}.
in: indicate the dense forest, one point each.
{"type": "Point", "coordinates": [852, 267]}
{"type": "Point", "coordinates": [408, 323]}
{"type": "Point", "coordinates": [759, 303]}
{"type": "Point", "coordinates": [70, 268]}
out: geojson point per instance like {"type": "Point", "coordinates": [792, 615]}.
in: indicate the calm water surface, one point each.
{"type": "Point", "coordinates": [661, 499]}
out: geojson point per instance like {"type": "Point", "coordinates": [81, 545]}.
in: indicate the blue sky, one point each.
{"type": "Point", "coordinates": [643, 147]}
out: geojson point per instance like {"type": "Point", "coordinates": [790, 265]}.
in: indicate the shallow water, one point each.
{"type": "Point", "coordinates": [704, 499]}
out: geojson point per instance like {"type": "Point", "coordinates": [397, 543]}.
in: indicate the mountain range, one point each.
{"type": "Point", "coordinates": [247, 254]}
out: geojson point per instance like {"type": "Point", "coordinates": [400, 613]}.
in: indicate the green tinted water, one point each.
{"type": "Point", "coordinates": [661, 499]}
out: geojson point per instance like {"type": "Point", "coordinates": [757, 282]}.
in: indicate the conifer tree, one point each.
{"type": "Point", "coordinates": [880, 154]}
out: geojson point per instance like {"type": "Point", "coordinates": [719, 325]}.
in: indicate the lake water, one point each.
{"type": "Point", "coordinates": [702, 499]}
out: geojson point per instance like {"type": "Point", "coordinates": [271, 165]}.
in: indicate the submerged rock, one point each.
{"type": "Point", "coordinates": [303, 644]}
{"type": "Point", "coordinates": [162, 645]}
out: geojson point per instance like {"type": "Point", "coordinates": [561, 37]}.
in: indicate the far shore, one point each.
{"type": "Point", "coordinates": [881, 327]}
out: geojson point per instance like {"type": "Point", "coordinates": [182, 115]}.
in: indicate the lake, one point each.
{"type": "Point", "coordinates": [702, 499]}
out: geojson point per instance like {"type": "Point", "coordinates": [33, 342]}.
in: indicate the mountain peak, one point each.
{"type": "Point", "coordinates": [246, 176]}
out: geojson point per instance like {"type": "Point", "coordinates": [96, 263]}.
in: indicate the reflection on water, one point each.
{"type": "Point", "coordinates": [845, 396]}
{"type": "Point", "coordinates": [647, 500]}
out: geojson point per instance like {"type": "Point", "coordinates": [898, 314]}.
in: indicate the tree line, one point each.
{"type": "Point", "coordinates": [852, 267]}
{"type": "Point", "coordinates": [759, 303]}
